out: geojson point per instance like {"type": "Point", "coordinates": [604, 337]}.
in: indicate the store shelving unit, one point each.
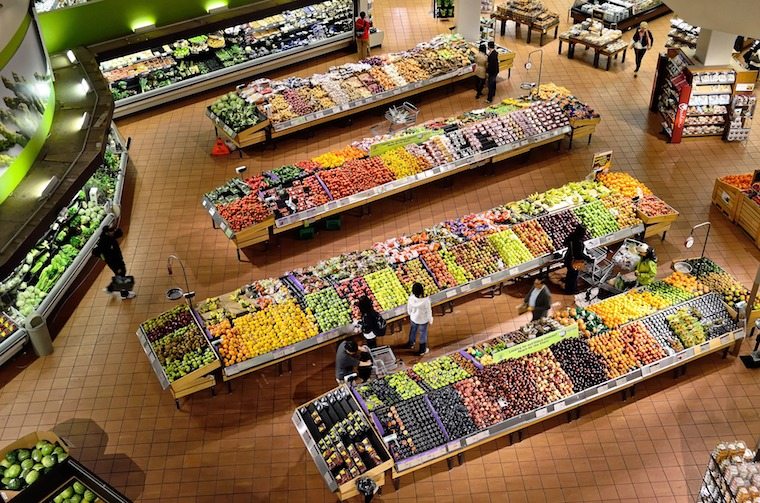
{"type": "Point", "coordinates": [530, 13]}
{"type": "Point", "coordinates": [192, 62]}
{"type": "Point", "coordinates": [682, 34]}
{"type": "Point", "coordinates": [718, 484]}
{"type": "Point", "coordinates": [443, 9]}
{"type": "Point", "coordinates": [13, 343]}
{"type": "Point", "coordinates": [619, 13]}
{"type": "Point", "coordinates": [694, 100]}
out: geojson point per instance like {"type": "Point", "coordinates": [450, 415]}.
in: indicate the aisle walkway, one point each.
{"type": "Point", "coordinates": [98, 390]}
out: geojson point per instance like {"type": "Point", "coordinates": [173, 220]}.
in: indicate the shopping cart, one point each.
{"type": "Point", "coordinates": [609, 275]}
{"type": "Point", "coordinates": [384, 362]}
{"type": "Point", "coordinates": [402, 116]}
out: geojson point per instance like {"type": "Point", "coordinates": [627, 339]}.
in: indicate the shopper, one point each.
{"type": "Point", "coordinates": [481, 60]}
{"type": "Point", "coordinates": [421, 316]}
{"type": "Point", "coordinates": [347, 359]}
{"type": "Point", "coordinates": [492, 70]}
{"type": "Point", "coordinates": [362, 26]}
{"type": "Point", "coordinates": [575, 256]}
{"type": "Point", "coordinates": [753, 62]}
{"type": "Point", "coordinates": [646, 269]}
{"type": "Point", "coordinates": [372, 325]}
{"type": "Point", "coordinates": [539, 300]}
{"type": "Point", "coordinates": [642, 42]}
{"type": "Point", "coordinates": [108, 250]}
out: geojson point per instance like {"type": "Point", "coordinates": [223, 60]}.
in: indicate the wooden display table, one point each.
{"type": "Point", "coordinates": [599, 50]}
{"type": "Point", "coordinates": [582, 128]}
{"type": "Point", "coordinates": [657, 225]}
{"type": "Point", "coordinates": [660, 10]}
{"type": "Point", "coordinates": [610, 54]}
{"type": "Point", "coordinates": [748, 217]}
{"type": "Point", "coordinates": [532, 25]}
{"type": "Point", "coordinates": [726, 197]}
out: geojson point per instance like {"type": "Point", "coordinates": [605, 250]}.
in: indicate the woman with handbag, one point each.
{"type": "Point", "coordinates": [575, 258]}
{"type": "Point", "coordinates": [372, 325]}
{"type": "Point", "coordinates": [642, 42]}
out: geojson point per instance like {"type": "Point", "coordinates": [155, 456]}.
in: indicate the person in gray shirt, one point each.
{"type": "Point", "coordinates": [347, 359]}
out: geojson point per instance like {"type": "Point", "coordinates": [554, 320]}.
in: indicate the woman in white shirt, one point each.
{"type": "Point", "coordinates": [421, 316]}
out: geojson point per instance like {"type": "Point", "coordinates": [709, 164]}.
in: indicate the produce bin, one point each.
{"type": "Point", "coordinates": [25, 442]}
{"type": "Point", "coordinates": [39, 335]}
{"type": "Point", "coordinates": [726, 198]}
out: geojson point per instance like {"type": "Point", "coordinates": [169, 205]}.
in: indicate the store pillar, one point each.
{"type": "Point", "coordinates": [467, 14]}
{"type": "Point", "coordinates": [714, 48]}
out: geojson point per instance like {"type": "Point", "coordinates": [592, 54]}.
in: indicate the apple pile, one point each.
{"type": "Point", "coordinates": [558, 226]}
{"type": "Point", "coordinates": [388, 290]}
{"type": "Point", "coordinates": [511, 250]}
{"type": "Point", "coordinates": [339, 182]}
{"type": "Point", "coordinates": [514, 389]}
{"type": "Point", "coordinates": [352, 290]}
{"type": "Point", "coordinates": [641, 343]}
{"type": "Point", "coordinates": [653, 206]}
{"type": "Point", "coordinates": [460, 274]}
{"type": "Point", "coordinates": [584, 367]}
{"type": "Point", "coordinates": [405, 386]}
{"type": "Point", "coordinates": [367, 173]}
{"type": "Point", "coordinates": [412, 272]}
{"type": "Point", "coordinates": [534, 237]}
{"type": "Point", "coordinates": [623, 209]}
{"type": "Point", "coordinates": [168, 322]}
{"type": "Point", "coordinates": [465, 363]}
{"type": "Point", "coordinates": [483, 410]}
{"type": "Point", "coordinates": [453, 413]}
{"type": "Point", "coordinates": [330, 310]}
{"type": "Point", "coordinates": [687, 283]}
{"type": "Point", "coordinates": [437, 267]}
{"type": "Point", "coordinates": [478, 257]}
{"type": "Point", "coordinates": [617, 355]}
{"type": "Point", "coordinates": [549, 377]}
{"type": "Point", "coordinates": [440, 372]}
{"type": "Point", "coordinates": [597, 220]}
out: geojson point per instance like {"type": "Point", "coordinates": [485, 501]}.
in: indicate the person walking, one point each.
{"type": "Point", "coordinates": [107, 249]}
{"type": "Point", "coordinates": [421, 317]}
{"type": "Point", "coordinates": [481, 60]}
{"type": "Point", "coordinates": [492, 70]}
{"type": "Point", "coordinates": [642, 42]}
{"type": "Point", "coordinates": [362, 26]}
{"type": "Point", "coordinates": [575, 256]}
{"type": "Point", "coordinates": [372, 325]}
{"type": "Point", "coordinates": [539, 300]}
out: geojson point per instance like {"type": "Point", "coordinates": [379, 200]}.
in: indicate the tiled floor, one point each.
{"type": "Point", "coordinates": [98, 390]}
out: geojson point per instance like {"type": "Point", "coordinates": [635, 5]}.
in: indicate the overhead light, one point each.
{"type": "Point", "coordinates": [85, 86]}
{"type": "Point", "coordinates": [72, 57]}
{"type": "Point", "coordinates": [85, 121]}
{"type": "Point", "coordinates": [49, 187]}
{"type": "Point", "coordinates": [214, 7]}
{"type": "Point", "coordinates": [143, 26]}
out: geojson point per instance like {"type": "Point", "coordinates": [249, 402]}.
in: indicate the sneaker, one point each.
{"type": "Point", "coordinates": [130, 295]}
{"type": "Point", "coordinates": [409, 347]}
{"type": "Point", "coordinates": [427, 350]}
{"type": "Point", "coordinates": [489, 101]}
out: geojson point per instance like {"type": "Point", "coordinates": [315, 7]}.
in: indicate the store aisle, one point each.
{"type": "Point", "coordinates": [243, 447]}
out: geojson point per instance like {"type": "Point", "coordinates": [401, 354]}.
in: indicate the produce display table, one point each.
{"type": "Point", "coordinates": [613, 53]}
{"type": "Point", "coordinates": [532, 26]}
{"type": "Point", "coordinates": [736, 197]}
{"type": "Point", "coordinates": [599, 49]}
{"type": "Point", "coordinates": [430, 392]}
{"type": "Point", "coordinates": [726, 197]}
{"type": "Point", "coordinates": [647, 15]}
{"type": "Point", "coordinates": [660, 217]}
{"type": "Point", "coordinates": [582, 128]}
{"type": "Point", "coordinates": [62, 253]}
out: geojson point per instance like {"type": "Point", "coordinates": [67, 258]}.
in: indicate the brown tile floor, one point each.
{"type": "Point", "coordinates": [98, 390]}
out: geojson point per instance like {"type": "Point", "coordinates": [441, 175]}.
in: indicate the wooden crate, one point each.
{"type": "Point", "coordinates": [255, 234]}
{"type": "Point", "coordinates": [726, 197]}
{"type": "Point", "coordinates": [28, 442]}
{"type": "Point", "coordinates": [349, 490]}
{"type": "Point", "coordinates": [748, 216]}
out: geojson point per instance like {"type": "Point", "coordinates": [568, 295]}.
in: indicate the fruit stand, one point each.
{"type": "Point", "coordinates": [443, 407]}
{"type": "Point", "coordinates": [41, 281]}
{"type": "Point", "coordinates": [37, 467]}
{"type": "Point", "coordinates": [275, 319]}
{"type": "Point", "coordinates": [249, 211]}
{"type": "Point", "coordinates": [264, 110]}
{"type": "Point", "coordinates": [738, 197]}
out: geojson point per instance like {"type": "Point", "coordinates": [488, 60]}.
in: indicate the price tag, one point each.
{"type": "Point", "coordinates": [451, 293]}
{"type": "Point", "coordinates": [592, 243]}
{"type": "Point", "coordinates": [560, 406]}
{"type": "Point", "coordinates": [476, 438]}
{"type": "Point", "coordinates": [602, 388]}
{"type": "Point", "coordinates": [725, 339]}
{"type": "Point", "coordinates": [715, 343]}
{"type": "Point", "coordinates": [465, 288]}
{"type": "Point", "coordinates": [648, 369]}
{"type": "Point", "coordinates": [541, 412]}
{"type": "Point", "coordinates": [212, 211]}
{"type": "Point", "coordinates": [487, 280]}
{"type": "Point", "coordinates": [223, 226]}
{"type": "Point", "coordinates": [321, 338]}
{"type": "Point", "coordinates": [705, 346]}
{"type": "Point", "coordinates": [514, 271]}
{"type": "Point", "coordinates": [621, 381]}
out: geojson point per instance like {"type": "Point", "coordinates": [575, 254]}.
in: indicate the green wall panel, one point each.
{"type": "Point", "coordinates": [102, 20]}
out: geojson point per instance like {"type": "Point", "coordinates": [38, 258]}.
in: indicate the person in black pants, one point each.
{"type": "Point", "coordinates": [575, 252]}
{"type": "Point", "coordinates": [642, 42]}
{"type": "Point", "coordinates": [108, 250]}
{"type": "Point", "coordinates": [492, 70]}
{"type": "Point", "coordinates": [539, 300]}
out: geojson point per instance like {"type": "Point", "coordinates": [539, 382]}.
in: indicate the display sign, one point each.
{"type": "Point", "coordinates": [402, 141]}
{"type": "Point", "coordinates": [537, 344]}
{"type": "Point", "coordinates": [601, 162]}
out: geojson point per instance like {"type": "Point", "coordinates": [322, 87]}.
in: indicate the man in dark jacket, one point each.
{"type": "Point", "coordinates": [539, 299]}
{"type": "Point", "coordinates": [576, 251]}
{"type": "Point", "coordinates": [107, 249]}
{"type": "Point", "coordinates": [492, 70]}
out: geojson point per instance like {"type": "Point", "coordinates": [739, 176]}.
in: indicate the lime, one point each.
{"type": "Point", "coordinates": [27, 463]}
{"type": "Point", "coordinates": [46, 449]}
{"type": "Point", "coordinates": [48, 461]}
{"type": "Point", "coordinates": [79, 488]}
{"type": "Point", "coordinates": [23, 454]}
{"type": "Point", "coordinates": [32, 477]}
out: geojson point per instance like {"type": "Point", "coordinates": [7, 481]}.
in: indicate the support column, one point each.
{"type": "Point", "coordinates": [714, 48]}
{"type": "Point", "coordinates": [467, 18]}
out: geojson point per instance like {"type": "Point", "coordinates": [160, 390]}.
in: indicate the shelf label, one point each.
{"type": "Point", "coordinates": [560, 406]}
{"type": "Point", "coordinates": [514, 271]}
{"type": "Point", "coordinates": [725, 339]}
{"type": "Point", "coordinates": [465, 288]}
{"type": "Point", "coordinates": [602, 388]}
{"type": "Point", "coordinates": [476, 438]}
{"type": "Point", "coordinates": [621, 381]}
{"type": "Point", "coordinates": [648, 369]}
{"type": "Point", "coordinates": [487, 280]}
{"type": "Point", "coordinates": [212, 211]}
{"type": "Point", "coordinates": [541, 412]}
{"type": "Point", "coordinates": [715, 343]}
{"type": "Point", "coordinates": [451, 293]}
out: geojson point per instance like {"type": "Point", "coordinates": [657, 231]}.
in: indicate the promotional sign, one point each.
{"type": "Point", "coordinates": [402, 141]}
{"type": "Point", "coordinates": [537, 344]}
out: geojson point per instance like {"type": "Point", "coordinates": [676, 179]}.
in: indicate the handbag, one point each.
{"type": "Point", "coordinates": [578, 264]}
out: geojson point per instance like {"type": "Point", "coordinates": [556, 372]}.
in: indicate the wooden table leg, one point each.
{"type": "Point", "coordinates": [596, 58]}
{"type": "Point", "coordinates": [530, 32]}
{"type": "Point", "coordinates": [608, 62]}
{"type": "Point", "coordinates": [517, 30]}
{"type": "Point", "coordinates": [503, 27]}
{"type": "Point", "coordinates": [541, 42]}
{"type": "Point", "coordinates": [559, 51]}
{"type": "Point", "coordinates": [556, 30]}
{"type": "Point", "coordinates": [624, 53]}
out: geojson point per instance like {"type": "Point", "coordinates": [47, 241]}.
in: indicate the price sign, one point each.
{"type": "Point", "coordinates": [451, 293]}
{"type": "Point", "coordinates": [725, 339]}
{"type": "Point", "coordinates": [466, 288]}
{"type": "Point", "coordinates": [602, 388]}
{"type": "Point", "coordinates": [476, 438]}
{"type": "Point", "coordinates": [212, 211]}
{"type": "Point", "coordinates": [514, 271]}
{"type": "Point", "coordinates": [541, 412]}
{"type": "Point", "coordinates": [487, 280]}
{"type": "Point", "coordinates": [715, 343]}
{"type": "Point", "coordinates": [560, 406]}
{"type": "Point", "coordinates": [621, 381]}
{"type": "Point", "coordinates": [705, 346]}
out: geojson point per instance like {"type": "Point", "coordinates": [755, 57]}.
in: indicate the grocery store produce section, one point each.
{"type": "Point", "coordinates": [265, 109]}
{"type": "Point", "coordinates": [249, 211]}
{"type": "Point", "coordinates": [41, 280]}
{"type": "Point", "coordinates": [274, 319]}
{"type": "Point", "coordinates": [202, 61]}
{"type": "Point", "coordinates": [38, 467]}
{"type": "Point", "coordinates": [439, 408]}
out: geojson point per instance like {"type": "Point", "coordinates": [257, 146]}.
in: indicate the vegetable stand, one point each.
{"type": "Point", "coordinates": [250, 210]}
{"type": "Point", "coordinates": [273, 320]}
{"type": "Point", "coordinates": [42, 281]}
{"type": "Point", "coordinates": [540, 349]}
